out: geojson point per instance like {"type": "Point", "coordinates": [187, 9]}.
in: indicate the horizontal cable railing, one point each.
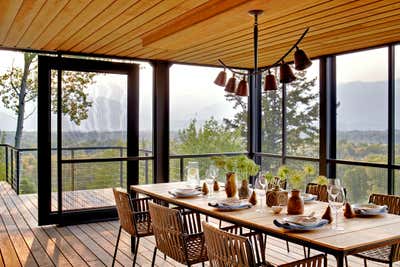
{"type": "Point", "coordinates": [20, 166]}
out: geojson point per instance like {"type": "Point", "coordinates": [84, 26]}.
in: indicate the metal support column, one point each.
{"type": "Point", "coordinates": [161, 121]}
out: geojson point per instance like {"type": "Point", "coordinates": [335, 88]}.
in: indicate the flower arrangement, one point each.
{"type": "Point", "coordinates": [296, 178]}
{"type": "Point", "coordinates": [321, 180]}
{"type": "Point", "coordinates": [241, 165]}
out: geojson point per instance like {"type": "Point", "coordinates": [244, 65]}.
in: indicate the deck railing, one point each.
{"type": "Point", "coordinates": [19, 166]}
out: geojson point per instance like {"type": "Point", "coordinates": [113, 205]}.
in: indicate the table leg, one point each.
{"type": "Point", "coordinates": [340, 260]}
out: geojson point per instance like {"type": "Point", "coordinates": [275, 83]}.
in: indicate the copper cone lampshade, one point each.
{"type": "Point", "coordinates": [270, 82]}
{"type": "Point", "coordinates": [231, 85]}
{"type": "Point", "coordinates": [221, 78]}
{"type": "Point", "coordinates": [242, 89]}
{"type": "Point", "coordinates": [285, 74]}
{"type": "Point", "coordinates": [301, 60]}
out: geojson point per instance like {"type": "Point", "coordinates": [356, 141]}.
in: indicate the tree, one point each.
{"type": "Point", "coordinates": [301, 116]}
{"type": "Point", "coordinates": [19, 86]}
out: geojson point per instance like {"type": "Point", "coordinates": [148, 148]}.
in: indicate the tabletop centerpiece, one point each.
{"type": "Point", "coordinates": [276, 195]}
{"type": "Point", "coordinates": [296, 180]}
{"type": "Point", "coordinates": [237, 167]}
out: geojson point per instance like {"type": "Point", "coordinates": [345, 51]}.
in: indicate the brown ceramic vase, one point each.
{"type": "Point", "coordinates": [295, 203]}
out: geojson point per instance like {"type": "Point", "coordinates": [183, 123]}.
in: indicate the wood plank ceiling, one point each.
{"type": "Point", "coordinates": [197, 31]}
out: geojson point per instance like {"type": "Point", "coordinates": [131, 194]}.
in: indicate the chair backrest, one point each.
{"type": "Point", "coordinates": [319, 190]}
{"type": "Point", "coordinates": [168, 231]}
{"type": "Point", "coordinates": [391, 201]}
{"type": "Point", "coordinates": [226, 249]}
{"type": "Point", "coordinates": [125, 211]}
{"type": "Point", "coordinates": [316, 261]}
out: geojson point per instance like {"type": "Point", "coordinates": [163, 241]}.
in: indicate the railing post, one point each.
{"type": "Point", "coordinates": [17, 175]}
{"type": "Point", "coordinates": [181, 167]}
{"type": "Point", "coordinates": [72, 171]}
{"type": "Point", "coordinates": [146, 168]}
{"type": "Point", "coordinates": [12, 168]}
{"type": "Point", "coordinates": [121, 176]}
{"type": "Point", "coordinates": [7, 178]}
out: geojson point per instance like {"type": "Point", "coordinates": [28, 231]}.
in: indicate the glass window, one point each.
{"type": "Point", "coordinates": [362, 105]}
{"type": "Point", "coordinates": [397, 182]}
{"type": "Point", "coordinates": [300, 165]}
{"type": "Point", "coordinates": [271, 120]}
{"type": "Point", "coordinates": [397, 103]}
{"type": "Point", "coordinates": [361, 181]}
{"type": "Point", "coordinates": [203, 118]}
{"type": "Point", "coordinates": [302, 113]}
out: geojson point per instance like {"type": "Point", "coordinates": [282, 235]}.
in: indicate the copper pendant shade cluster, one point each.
{"type": "Point", "coordinates": [301, 62]}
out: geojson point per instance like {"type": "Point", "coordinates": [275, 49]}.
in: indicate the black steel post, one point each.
{"type": "Point", "coordinates": [391, 118]}
{"type": "Point", "coordinates": [121, 180]}
{"type": "Point", "coordinates": [146, 168]}
{"type": "Point", "coordinates": [284, 133]}
{"type": "Point", "coordinates": [161, 121]}
{"type": "Point", "coordinates": [17, 167]}
{"type": "Point", "coordinates": [181, 169]}
{"type": "Point", "coordinates": [331, 114]}
{"type": "Point", "coordinates": [322, 117]}
{"type": "Point", "coordinates": [7, 177]}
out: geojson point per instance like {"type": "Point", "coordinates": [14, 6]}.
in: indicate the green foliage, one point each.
{"type": "Point", "coordinates": [19, 86]}
{"type": "Point", "coordinates": [321, 180]}
{"type": "Point", "coordinates": [241, 165]}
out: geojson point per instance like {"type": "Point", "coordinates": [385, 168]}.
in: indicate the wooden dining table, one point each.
{"type": "Point", "coordinates": [359, 234]}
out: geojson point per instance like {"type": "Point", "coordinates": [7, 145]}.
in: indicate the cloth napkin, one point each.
{"type": "Point", "coordinates": [293, 226]}
{"type": "Point", "coordinates": [366, 212]}
{"type": "Point", "coordinates": [225, 206]}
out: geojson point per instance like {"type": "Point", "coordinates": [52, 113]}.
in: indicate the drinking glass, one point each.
{"type": "Point", "coordinates": [260, 186]}
{"type": "Point", "coordinates": [211, 175]}
{"type": "Point", "coordinates": [336, 199]}
{"type": "Point", "coordinates": [193, 177]}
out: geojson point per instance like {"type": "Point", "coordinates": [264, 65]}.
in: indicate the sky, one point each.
{"type": "Point", "coordinates": [192, 91]}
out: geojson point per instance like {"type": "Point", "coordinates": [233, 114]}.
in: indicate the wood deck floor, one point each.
{"type": "Point", "coordinates": [23, 243]}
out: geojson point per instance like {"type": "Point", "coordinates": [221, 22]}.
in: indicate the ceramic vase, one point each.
{"type": "Point", "coordinates": [295, 204]}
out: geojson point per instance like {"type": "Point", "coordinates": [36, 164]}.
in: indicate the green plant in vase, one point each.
{"type": "Point", "coordinates": [321, 180]}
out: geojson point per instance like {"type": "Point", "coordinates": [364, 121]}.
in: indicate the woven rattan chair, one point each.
{"type": "Point", "coordinates": [387, 254]}
{"type": "Point", "coordinates": [134, 218]}
{"type": "Point", "coordinates": [178, 234]}
{"type": "Point", "coordinates": [320, 191]}
{"type": "Point", "coordinates": [229, 249]}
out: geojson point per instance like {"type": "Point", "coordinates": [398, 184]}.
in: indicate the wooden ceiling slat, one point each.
{"type": "Point", "coordinates": [309, 17]}
{"type": "Point", "coordinates": [282, 40]}
{"type": "Point", "coordinates": [194, 16]}
{"type": "Point", "coordinates": [69, 12]}
{"type": "Point", "coordinates": [88, 13]}
{"type": "Point", "coordinates": [130, 49]}
{"type": "Point", "coordinates": [142, 18]}
{"type": "Point", "coordinates": [194, 32]}
{"type": "Point", "coordinates": [229, 22]}
{"type": "Point", "coordinates": [48, 12]}
{"type": "Point", "coordinates": [122, 20]}
{"type": "Point", "coordinates": [8, 11]}
{"type": "Point", "coordinates": [109, 14]}
{"type": "Point", "coordinates": [132, 38]}
{"type": "Point", "coordinates": [377, 38]}
{"type": "Point", "coordinates": [26, 14]}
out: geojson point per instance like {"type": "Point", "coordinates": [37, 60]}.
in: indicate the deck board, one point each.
{"type": "Point", "coordinates": [23, 243]}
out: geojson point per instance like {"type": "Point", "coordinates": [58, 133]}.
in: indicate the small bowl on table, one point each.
{"type": "Point", "coordinates": [277, 209]}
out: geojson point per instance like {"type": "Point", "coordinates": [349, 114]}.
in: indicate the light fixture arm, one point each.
{"type": "Point", "coordinates": [255, 37]}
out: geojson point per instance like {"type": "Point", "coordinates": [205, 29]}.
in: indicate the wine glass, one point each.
{"type": "Point", "coordinates": [336, 198]}
{"type": "Point", "coordinates": [260, 186]}
{"type": "Point", "coordinates": [209, 179]}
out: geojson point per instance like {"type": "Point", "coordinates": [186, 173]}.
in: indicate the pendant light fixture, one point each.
{"type": "Point", "coordinates": [301, 62]}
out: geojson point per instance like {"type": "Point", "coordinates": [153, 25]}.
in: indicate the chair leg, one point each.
{"type": "Point", "coordinates": [154, 257]}
{"type": "Point", "coordinates": [309, 252]}
{"type": "Point", "coordinates": [136, 251]}
{"type": "Point", "coordinates": [365, 262]}
{"type": "Point", "coordinates": [346, 261]}
{"type": "Point", "coordinates": [116, 246]}
{"type": "Point", "coordinates": [287, 246]}
{"type": "Point", "coordinates": [305, 252]}
{"type": "Point", "coordinates": [165, 256]}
